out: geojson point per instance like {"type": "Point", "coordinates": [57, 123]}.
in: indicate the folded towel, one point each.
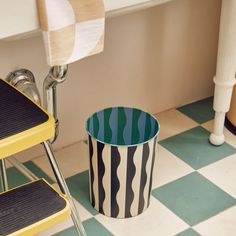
{"type": "Point", "coordinates": [72, 29]}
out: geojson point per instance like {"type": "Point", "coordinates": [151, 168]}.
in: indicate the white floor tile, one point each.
{"type": "Point", "coordinates": [173, 122]}
{"type": "Point", "coordinates": [229, 137]}
{"type": "Point", "coordinates": [56, 228]}
{"type": "Point", "coordinates": [28, 155]}
{"type": "Point", "coordinates": [156, 220]}
{"type": "Point", "coordinates": [72, 160]}
{"type": "Point", "coordinates": [168, 167]}
{"type": "Point", "coordinates": [223, 174]}
{"type": "Point", "coordinates": [224, 224]}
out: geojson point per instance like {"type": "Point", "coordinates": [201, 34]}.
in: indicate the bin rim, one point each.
{"type": "Point", "coordinates": [124, 145]}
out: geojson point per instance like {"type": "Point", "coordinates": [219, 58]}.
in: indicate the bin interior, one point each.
{"type": "Point", "coordinates": [122, 126]}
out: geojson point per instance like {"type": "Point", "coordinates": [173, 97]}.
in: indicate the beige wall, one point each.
{"type": "Point", "coordinates": [154, 59]}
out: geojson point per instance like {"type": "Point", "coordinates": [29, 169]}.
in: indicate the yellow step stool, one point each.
{"type": "Point", "coordinates": [31, 208]}
{"type": "Point", "coordinates": [36, 206]}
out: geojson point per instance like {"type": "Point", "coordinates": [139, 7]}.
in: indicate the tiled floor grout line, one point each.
{"type": "Point", "coordinates": [214, 215]}
{"type": "Point", "coordinates": [165, 209]}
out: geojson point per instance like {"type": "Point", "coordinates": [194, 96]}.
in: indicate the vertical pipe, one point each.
{"type": "Point", "coordinates": [225, 71]}
{"type": "Point", "coordinates": [56, 75]}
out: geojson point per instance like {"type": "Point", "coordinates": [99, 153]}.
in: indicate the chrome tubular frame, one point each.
{"type": "Point", "coordinates": [24, 80]}
{"type": "Point", "coordinates": [3, 175]}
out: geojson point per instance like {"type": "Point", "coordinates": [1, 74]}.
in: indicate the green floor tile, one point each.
{"type": "Point", "coordinates": [92, 228]}
{"type": "Point", "coordinates": [193, 147]}
{"type": "Point", "coordinates": [38, 172]}
{"type": "Point", "coordinates": [79, 188]}
{"type": "Point", "coordinates": [193, 198]}
{"type": "Point", "coordinates": [67, 232]}
{"type": "Point", "coordinates": [16, 178]}
{"type": "Point", "coordinates": [188, 232]}
{"type": "Point", "coordinates": [201, 111]}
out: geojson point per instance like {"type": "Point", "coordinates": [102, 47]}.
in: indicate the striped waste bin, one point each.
{"type": "Point", "coordinates": [122, 147]}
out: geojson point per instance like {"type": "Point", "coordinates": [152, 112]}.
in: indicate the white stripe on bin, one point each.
{"type": "Point", "coordinates": [148, 171]}
{"type": "Point", "coordinates": [106, 181]}
{"type": "Point", "coordinates": [121, 173]}
{"type": "Point", "coordinates": [95, 169]}
{"type": "Point", "coordinates": [136, 181]}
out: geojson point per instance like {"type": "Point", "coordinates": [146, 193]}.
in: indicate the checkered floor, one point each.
{"type": "Point", "coordinates": [194, 190]}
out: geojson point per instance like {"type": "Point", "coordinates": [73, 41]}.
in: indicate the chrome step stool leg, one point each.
{"type": "Point", "coordinates": [63, 186]}
{"type": "Point", "coordinates": [3, 175]}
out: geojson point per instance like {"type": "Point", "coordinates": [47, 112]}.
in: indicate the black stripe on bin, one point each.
{"type": "Point", "coordinates": [115, 183]}
{"type": "Point", "coordinates": [143, 181]}
{"type": "Point", "coordinates": [131, 169]}
{"type": "Point", "coordinates": [153, 160]}
{"type": "Point", "coordinates": [101, 171]}
{"type": "Point", "coordinates": [91, 170]}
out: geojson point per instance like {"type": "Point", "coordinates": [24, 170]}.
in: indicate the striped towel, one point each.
{"type": "Point", "coordinates": [72, 29]}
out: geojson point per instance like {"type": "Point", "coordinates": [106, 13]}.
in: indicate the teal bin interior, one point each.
{"type": "Point", "coordinates": [122, 126]}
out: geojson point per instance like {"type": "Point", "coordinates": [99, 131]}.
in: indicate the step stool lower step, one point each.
{"type": "Point", "coordinates": [31, 208]}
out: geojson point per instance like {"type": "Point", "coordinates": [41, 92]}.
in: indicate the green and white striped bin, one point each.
{"type": "Point", "coordinates": [122, 148]}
